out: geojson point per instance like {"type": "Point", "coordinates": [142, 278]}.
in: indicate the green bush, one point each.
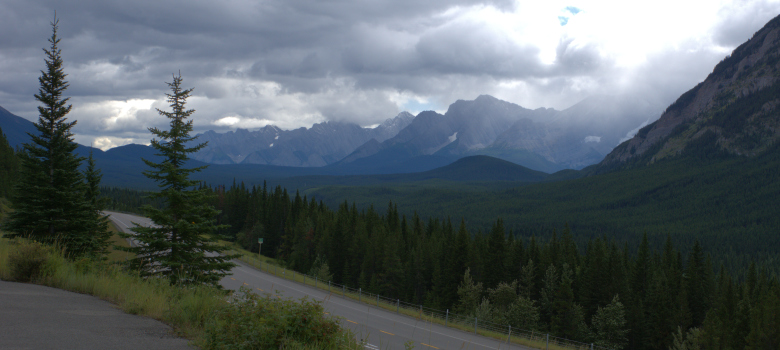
{"type": "Point", "coordinates": [28, 262]}
{"type": "Point", "coordinates": [269, 322]}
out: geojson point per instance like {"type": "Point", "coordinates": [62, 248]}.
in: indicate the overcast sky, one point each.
{"type": "Point", "coordinates": [293, 63]}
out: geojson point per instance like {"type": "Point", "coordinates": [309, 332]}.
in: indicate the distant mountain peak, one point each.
{"type": "Point", "coordinates": [319, 145]}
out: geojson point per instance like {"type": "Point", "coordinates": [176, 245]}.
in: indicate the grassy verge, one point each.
{"type": "Point", "coordinates": [535, 340]}
{"type": "Point", "coordinates": [211, 318]}
{"type": "Point", "coordinates": [116, 255]}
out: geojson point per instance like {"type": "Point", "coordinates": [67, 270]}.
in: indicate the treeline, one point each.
{"type": "Point", "coordinates": [650, 299]}
{"type": "Point", "coordinates": [127, 200]}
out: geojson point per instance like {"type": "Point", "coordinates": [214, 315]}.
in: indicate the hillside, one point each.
{"type": "Point", "coordinates": [483, 168]}
{"type": "Point", "coordinates": [15, 128]}
{"type": "Point", "coordinates": [735, 110]}
{"type": "Point", "coordinates": [477, 172]}
{"type": "Point", "coordinates": [730, 205]}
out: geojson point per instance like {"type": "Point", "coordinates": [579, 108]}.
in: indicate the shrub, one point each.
{"type": "Point", "coordinates": [28, 262]}
{"type": "Point", "coordinates": [255, 322]}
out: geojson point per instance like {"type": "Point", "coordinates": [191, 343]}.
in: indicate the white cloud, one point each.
{"type": "Point", "coordinates": [108, 142]}
{"type": "Point", "coordinates": [596, 139]}
{"type": "Point", "coordinates": [226, 121]}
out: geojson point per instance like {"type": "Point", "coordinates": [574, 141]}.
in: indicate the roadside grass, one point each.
{"type": "Point", "coordinates": [116, 255]}
{"type": "Point", "coordinates": [206, 315]}
{"type": "Point", "coordinates": [533, 339]}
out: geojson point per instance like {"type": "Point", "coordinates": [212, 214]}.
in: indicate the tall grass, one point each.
{"type": "Point", "coordinates": [196, 313]}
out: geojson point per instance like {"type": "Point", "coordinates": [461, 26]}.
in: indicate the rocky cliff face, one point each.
{"type": "Point", "coordinates": [320, 145]}
{"type": "Point", "coordinates": [734, 110]}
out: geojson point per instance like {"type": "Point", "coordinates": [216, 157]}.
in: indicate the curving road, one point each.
{"type": "Point", "coordinates": [378, 328]}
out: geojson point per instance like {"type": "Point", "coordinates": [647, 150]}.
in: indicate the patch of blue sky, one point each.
{"type": "Point", "coordinates": [414, 106]}
{"type": "Point", "coordinates": [568, 11]}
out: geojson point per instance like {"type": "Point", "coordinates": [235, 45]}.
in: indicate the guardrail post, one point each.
{"type": "Point", "coordinates": [475, 325]}
{"type": "Point", "coordinates": [591, 346]}
{"type": "Point", "coordinates": [377, 300]}
{"type": "Point", "coordinates": [397, 305]}
{"type": "Point", "coordinates": [360, 294]}
{"type": "Point", "coordinates": [547, 344]}
{"type": "Point", "coordinates": [447, 318]}
{"type": "Point", "coordinates": [315, 281]}
{"type": "Point", "coordinates": [509, 339]}
{"type": "Point", "coordinates": [328, 286]}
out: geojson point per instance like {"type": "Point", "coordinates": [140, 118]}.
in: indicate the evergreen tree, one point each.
{"type": "Point", "coordinates": [49, 200]}
{"type": "Point", "coordinates": [469, 294]}
{"type": "Point", "coordinates": [9, 167]}
{"type": "Point", "coordinates": [494, 272]}
{"type": "Point", "coordinates": [178, 247]}
{"type": "Point", "coordinates": [97, 224]}
{"type": "Point", "coordinates": [609, 325]}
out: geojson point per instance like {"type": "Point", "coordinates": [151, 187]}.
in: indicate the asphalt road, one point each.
{"type": "Point", "coordinates": [39, 317]}
{"type": "Point", "coordinates": [378, 328]}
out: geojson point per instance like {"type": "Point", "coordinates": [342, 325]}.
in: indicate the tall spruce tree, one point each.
{"type": "Point", "coordinates": [178, 247]}
{"type": "Point", "coordinates": [49, 198]}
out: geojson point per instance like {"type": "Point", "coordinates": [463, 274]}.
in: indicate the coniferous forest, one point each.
{"type": "Point", "coordinates": [659, 297]}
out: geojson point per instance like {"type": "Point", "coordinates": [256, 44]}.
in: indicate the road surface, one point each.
{"type": "Point", "coordinates": [39, 317]}
{"type": "Point", "coordinates": [378, 328]}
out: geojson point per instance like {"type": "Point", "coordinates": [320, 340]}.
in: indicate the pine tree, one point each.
{"type": "Point", "coordinates": [178, 247]}
{"type": "Point", "coordinates": [49, 198]}
{"type": "Point", "coordinates": [97, 224]}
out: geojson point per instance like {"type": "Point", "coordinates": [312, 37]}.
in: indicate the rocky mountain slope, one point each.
{"type": "Point", "coordinates": [320, 145]}
{"type": "Point", "coordinates": [734, 110]}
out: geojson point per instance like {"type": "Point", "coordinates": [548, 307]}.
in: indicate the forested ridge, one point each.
{"type": "Point", "coordinates": [729, 203]}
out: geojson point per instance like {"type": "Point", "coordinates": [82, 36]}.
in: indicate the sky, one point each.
{"type": "Point", "coordinates": [293, 63]}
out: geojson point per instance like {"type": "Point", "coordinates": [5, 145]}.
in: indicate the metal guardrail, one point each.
{"type": "Point", "coordinates": [446, 318]}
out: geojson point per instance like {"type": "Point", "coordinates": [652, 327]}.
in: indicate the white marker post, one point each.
{"type": "Point", "coordinates": [259, 249]}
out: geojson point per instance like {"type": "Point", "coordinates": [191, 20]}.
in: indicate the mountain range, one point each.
{"type": "Point", "coordinates": [322, 144]}
{"type": "Point", "coordinates": [542, 139]}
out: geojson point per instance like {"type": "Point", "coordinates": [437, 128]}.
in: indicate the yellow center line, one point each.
{"type": "Point", "coordinates": [352, 321]}
{"type": "Point", "coordinates": [386, 332]}
{"type": "Point", "coordinates": [430, 346]}
{"type": "Point", "coordinates": [232, 278]}
{"type": "Point", "coordinates": [246, 284]}
{"type": "Point", "coordinates": [260, 290]}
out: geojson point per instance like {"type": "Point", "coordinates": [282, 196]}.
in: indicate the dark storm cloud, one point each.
{"type": "Point", "coordinates": [297, 62]}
